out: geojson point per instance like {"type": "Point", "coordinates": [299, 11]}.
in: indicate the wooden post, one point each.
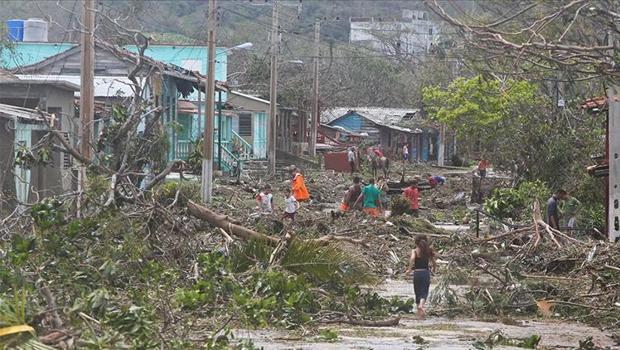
{"type": "Point", "coordinates": [207, 152]}
{"type": "Point", "coordinates": [273, 90]}
{"type": "Point", "coordinates": [87, 87]}
{"type": "Point", "coordinates": [315, 91]}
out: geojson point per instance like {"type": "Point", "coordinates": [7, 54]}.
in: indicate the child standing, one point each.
{"type": "Point", "coordinates": [265, 200]}
{"type": "Point", "coordinates": [291, 205]}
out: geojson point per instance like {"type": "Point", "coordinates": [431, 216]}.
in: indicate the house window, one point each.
{"type": "Point", "coordinates": [430, 31]}
{"type": "Point", "coordinates": [245, 124]}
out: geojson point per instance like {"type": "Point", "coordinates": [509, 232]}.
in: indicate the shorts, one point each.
{"type": "Point", "coordinates": [374, 212]}
{"type": "Point", "coordinates": [343, 207]}
{"type": "Point", "coordinates": [421, 284]}
{"type": "Point", "coordinates": [413, 212]}
{"type": "Point", "coordinates": [482, 172]}
{"type": "Point", "coordinates": [290, 216]}
{"type": "Point", "coordinates": [406, 156]}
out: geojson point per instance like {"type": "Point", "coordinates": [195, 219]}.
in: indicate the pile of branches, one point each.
{"type": "Point", "coordinates": [536, 269]}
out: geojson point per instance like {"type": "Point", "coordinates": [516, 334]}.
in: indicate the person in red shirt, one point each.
{"type": "Point", "coordinates": [482, 167]}
{"type": "Point", "coordinates": [412, 194]}
{"type": "Point", "coordinates": [378, 152]}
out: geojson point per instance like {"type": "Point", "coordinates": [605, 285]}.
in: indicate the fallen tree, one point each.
{"type": "Point", "coordinates": [231, 226]}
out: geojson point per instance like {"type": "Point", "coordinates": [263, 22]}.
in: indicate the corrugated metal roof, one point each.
{"type": "Point", "coordinates": [13, 112]}
{"type": "Point", "coordinates": [61, 84]}
{"type": "Point", "coordinates": [198, 80]}
{"type": "Point", "coordinates": [379, 115]}
{"type": "Point", "coordinates": [248, 96]}
{"type": "Point", "coordinates": [6, 76]}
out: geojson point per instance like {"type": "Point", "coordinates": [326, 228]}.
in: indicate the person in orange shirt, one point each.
{"type": "Point", "coordinates": [298, 187]}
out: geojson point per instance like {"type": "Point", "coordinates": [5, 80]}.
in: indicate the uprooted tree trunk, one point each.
{"type": "Point", "coordinates": [231, 226]}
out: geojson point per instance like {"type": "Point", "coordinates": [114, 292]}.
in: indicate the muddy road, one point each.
{"type": "Point", "coordinates": [432, 333]}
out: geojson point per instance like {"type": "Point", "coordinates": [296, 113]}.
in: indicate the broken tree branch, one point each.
{"type": "Point", "coordinates": [227, 224]}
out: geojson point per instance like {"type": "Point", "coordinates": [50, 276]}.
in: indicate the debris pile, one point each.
{"type": "Point", "coordinates": [535, 269]}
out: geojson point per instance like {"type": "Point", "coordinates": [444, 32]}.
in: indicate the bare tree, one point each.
{"type": "Point", "coordinates": [547, 36]}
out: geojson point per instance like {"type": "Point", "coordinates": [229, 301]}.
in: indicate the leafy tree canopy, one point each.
{"type": "Point", "coordinates": [468, 104]}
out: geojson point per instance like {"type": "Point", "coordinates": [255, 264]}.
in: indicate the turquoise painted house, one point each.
{"type": "Point", "coordinates": [184, 115]}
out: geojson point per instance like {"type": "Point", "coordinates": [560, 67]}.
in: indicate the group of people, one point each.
{"type": "Point", "coordinates": [373, 196]}
{"type": "Point", "coordinates": [371, 154]}
{"type": "Point", "coordinates": [295, 194]}
{"type": "Point", "coordinates": [562, 205]}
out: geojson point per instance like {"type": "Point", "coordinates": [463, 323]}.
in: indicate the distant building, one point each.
{"type": "Point", "coordinates": [391, 129]}
{"type": "Point", "coordinates": [413, 33]}
{"type": "Point", "coordinates": [250, 125]}
{"type": "Point", "coordinates": [22, 127]}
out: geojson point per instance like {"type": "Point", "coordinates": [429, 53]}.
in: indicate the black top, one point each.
{"type": "Point", "coordinates": [420, 264]}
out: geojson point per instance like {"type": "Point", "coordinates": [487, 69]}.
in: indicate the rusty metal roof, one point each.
{"type": "Point", "coordinates": [186, 107]}
{"type": "Point", "coordinates": [599, 102]}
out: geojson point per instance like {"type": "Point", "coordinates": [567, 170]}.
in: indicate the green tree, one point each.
{"type": "Point", "coordinates": [515, 126]}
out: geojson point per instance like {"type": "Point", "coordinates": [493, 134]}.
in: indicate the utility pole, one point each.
{"type": "Point", "coordinates": [442, 145]}
{"type": "Point", "coordinates": [273, 90]}
{"type": "Point", "coordinates": [314, 119]}
{"type": "Point", "coordinates": [87, 69]}
{"type": "Point", "coordinates": [87, 87]}
{"type": "Point", "coordinates": [613, 144]}
{"type": "Point", "coordinates": [207, 151]}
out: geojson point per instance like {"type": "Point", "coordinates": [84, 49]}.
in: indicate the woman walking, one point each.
{"type": "Point", "coordinates": [422, 257]}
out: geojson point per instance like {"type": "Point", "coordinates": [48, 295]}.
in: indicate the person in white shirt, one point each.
{"type": "Point", "coordinates": [291, 205]}
{"type": "Point", "coordinates": [265, 199]}
{"type": "Point", "coordinates": [351, 159]}
{"type": "Point", "coordinates": [405, 153]}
